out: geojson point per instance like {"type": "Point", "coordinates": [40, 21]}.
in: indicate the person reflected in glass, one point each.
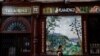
{"type": "Point", "coordinates": [59, 51]}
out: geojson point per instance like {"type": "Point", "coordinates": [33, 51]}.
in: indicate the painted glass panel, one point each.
{"type": "Point", "coordinates": [65, 31]}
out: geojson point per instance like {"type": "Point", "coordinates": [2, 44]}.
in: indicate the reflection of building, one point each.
{"type": "Point", "coordinates": [74, 25]}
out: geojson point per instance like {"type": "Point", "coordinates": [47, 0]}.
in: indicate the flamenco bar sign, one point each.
{"type": "Point", "coordinates": [65, 10]}
{"type": "Point", "coordinates": [10, 10]}
{"type": "Point", "coordinates": [83, 9]}
{"type": "Point", "coordinates": [51, 10]}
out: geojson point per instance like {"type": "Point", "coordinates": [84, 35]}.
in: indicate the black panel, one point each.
{"type": "Point", "coordinates": [93, 29]}
{"type": "Point", "coordinates": [14, 45]}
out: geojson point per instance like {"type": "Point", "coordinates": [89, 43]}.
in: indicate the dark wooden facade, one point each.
{"type": "Point", "coordinates": [28, 36]}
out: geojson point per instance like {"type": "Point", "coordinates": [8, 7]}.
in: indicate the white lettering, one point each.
{"type": "Point", "coordinates": [16, 10]}
{"type": "Point", "coordinates": [66, 10]}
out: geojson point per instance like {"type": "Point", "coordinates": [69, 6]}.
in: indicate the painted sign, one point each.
{"type": "Point", "coordinates": [54, 10]}
{"type": "Point", "coordinates": [1, 0]}
{"type": "Point", "coordinates": [82, 9]}
{"type": "Point", "coordinates": [48, 1]}
{"type": "Point", "coordinates": [10, 10]}
{"type": "Point", "coordinates": [35, 9]}
{"type": "Point", "coordinates": [80, 0]}
{"type": "Point", "coordinates": [88, 9]}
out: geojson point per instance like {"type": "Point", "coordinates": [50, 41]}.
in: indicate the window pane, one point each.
{"type": "Point", "coordinates": [65, 31]}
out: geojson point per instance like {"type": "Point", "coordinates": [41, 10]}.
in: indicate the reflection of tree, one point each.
{"type": "Point", "coordinates": [54, 39]}
{"type": "Point", "coordinates": [76, 28]}
{"type": "Point", "coordinates": [50, 27]}
{"type": "Point", "coordinates": [51, 23]}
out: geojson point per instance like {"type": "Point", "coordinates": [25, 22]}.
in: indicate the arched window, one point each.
{"type": "Point", "coordinates": [16, 24]}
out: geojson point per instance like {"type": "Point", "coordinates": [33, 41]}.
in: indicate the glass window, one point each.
{"type": "Point", "coordinates": [65, 31]}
